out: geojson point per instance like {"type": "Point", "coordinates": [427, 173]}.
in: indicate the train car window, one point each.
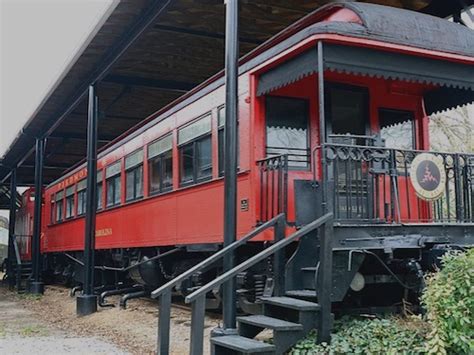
{"type": "Point", "coordinates": [112, 181]}
{"type": "Point", "coordinates": [195, 149]}
{"type": "Point", "coordinates": [134, 176]}
{"type": "Point", "coordinates": [397, 128]}
{"type": "Point", "coordinates": [59, 205]}
{"type": "Point", "coordinates": [70, 202]}
{"type": "Point", "coordinates": [221, 140]}
{"type": "Point", "coordinates": [99, 190]}
{"type": "Point", "coordinates": [160, 163]}
{"type": "Point", "coordinates": [347, 110]}
{"type": "Point", "coordinates": [81, 197]}
{"type": "Point", "coordinates": [53, 209]}
{"type": "Point", "coordinates": [287, 122]}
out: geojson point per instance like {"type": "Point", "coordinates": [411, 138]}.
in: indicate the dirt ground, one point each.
{"type": "Point", "coordinates": [133, 330]}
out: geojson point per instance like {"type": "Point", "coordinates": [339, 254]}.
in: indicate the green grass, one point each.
{"type": "Point", "coordinates": [33, 330]}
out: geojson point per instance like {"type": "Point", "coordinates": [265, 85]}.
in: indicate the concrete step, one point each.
{"type": "Point", "coordinates": [304, 294]}
{"type": "Point", "coordinates": [241, 345]}
{"type": "Point", "coordinates": [270, 323]}
{"type": "Point", "coordinates": [291, 303]}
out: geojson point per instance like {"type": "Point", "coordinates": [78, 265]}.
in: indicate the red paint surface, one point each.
{"type": "Point", "coordinates": [195, 214]}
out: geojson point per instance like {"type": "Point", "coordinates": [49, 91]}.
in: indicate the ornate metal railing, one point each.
{"type": "Point", "coordinates": [273, 173]}
{"type": "Point", "coordinates": [24, 245]}
{"type": "Point", "coordinates": [375, 184]}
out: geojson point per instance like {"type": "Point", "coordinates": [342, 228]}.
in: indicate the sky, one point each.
{"type": "Point", "coordinates": [39, 40]}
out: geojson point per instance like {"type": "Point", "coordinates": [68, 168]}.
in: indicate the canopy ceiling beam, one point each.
{"type": "Point", "coordinates": [79, 137]}
{"type": "Point", "coordinates": [166, 85]}
{"type": "Point", "coordinates": [200, 33]}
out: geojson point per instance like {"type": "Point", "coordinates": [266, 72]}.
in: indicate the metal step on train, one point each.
{"type": "Point", "coordinates": [22, 273]}
{"type": "Point", "coordinates": [289, 317]}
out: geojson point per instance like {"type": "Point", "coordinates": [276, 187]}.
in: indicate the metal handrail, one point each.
{"type": "Point", "coordinates": [17, 250]}
{"type": "Point", "coordinates": [198, 297]}
{"type": "Point", "coordinates": [212, 259]}
{"type": "Point", "coordinates": [259, 257]}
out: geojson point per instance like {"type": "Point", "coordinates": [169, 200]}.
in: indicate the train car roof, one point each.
{"type": "Point", "coordinates": [144, 55]}
{"type": "Point", "coordinates": [369, 21]}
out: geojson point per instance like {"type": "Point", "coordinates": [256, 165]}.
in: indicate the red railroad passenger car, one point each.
{"type": "Point", "coordinates": [160, 185]}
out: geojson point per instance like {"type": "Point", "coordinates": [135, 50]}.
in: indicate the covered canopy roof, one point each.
{"type": "Point", "coordinates": [147, 54]}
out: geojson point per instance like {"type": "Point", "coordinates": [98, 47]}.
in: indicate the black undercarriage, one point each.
{"type": "Point", "coordinates": [375, 268]}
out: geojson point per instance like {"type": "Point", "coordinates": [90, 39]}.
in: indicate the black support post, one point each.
{"type": "Point", "coordinates": [36, 286]}
{"type": "Point", "coordinates": [322, 126]}
{"type": "Point", "coordinates": [230, 168]}
{"type": "Point", "coordinates": [86, 303]}
{"type": "Point", "coordinates": [11, 227]}
{"type": "Point", "coordinates": [324, 274]}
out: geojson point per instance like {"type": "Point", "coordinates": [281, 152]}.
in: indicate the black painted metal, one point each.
{"type": "Point", "coordinates": [279, 260]}
{"type": "Point", "coordinates": [119, 291]}
{"type": "Point", "coordinates": [318, 224]}
{"type": "Point", "coordinates": [163, 341]}
{"type": "Point", "coordinates": [163, 293]}
{"type": "Point", "coordinates": [324, 282]}
{"type": "Point", "coordinates": [197, 325]}
{"type": "Point", "coordinates": [360, 176]}
{"type": "Point", "coordinates": [89, 303]}
{"type": "Point", "coordinates": [130, 296]}
{"type": "Point", "coordinates": [36, 285]}
{"type": "Point", "coordinates": [322, 124]}
{"type": "Point", "coordinates": [230, 153]}
{"type": "Point", "coordinates": [273, 186]}
{"type": "Point", "coordinates": [11, 226]}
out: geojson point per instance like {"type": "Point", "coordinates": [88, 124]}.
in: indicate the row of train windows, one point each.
{"type": "Point", "coordinates": [195, 165]}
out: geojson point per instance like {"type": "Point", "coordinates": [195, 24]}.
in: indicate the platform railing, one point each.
{"type": "Point", "coordinates": [164, 292]}
{"type": "Point", "coordinates": [273, 177]}
{"type": "Point", "coordinates": [324, 284]}
{"type": "Point", "coordinates": [24, 245]}
{"type": "Point", "coordinates": [18, 260]}
{"type": "Point", "coordinates": [372, 185]}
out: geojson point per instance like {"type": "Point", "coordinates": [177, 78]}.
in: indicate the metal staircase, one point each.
{"type": "Point", "coordinates": [20, 270]}
{"type": "Point", "coordinates": [287, 316]}
{"type": "Point", "coordinates": [290, 320]}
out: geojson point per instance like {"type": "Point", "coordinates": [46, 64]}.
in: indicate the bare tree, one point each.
{"type": "Point", "coordinates": [453, 131]}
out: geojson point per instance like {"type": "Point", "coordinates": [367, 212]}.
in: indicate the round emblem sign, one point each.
{"type": "Point", "coordinates": [428, 176]}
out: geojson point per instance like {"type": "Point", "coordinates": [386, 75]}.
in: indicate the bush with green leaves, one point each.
{"type": "Point", "coordinates": [369, 336]}
{"type": "Point", "coordinates": [449, 301]}
{"type": "Point", "coordinates": [447, 328]}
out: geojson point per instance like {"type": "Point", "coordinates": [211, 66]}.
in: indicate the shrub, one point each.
{"type": "Point", "coordinates": [449, 301]}
{"type": "Point", "coordinates": [369, 336]}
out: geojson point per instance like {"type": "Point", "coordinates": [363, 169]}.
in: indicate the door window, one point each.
{"type": "Point", "coordinates": [287, 121]}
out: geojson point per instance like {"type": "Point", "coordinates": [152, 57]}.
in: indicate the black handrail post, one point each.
{"type": "Point", "coordinates": [87, 302]}
{"type": "Point", "coordinates": [230, 168]}
{"type": "Point", "coordinates": [279, 259]}
{"type": "Point", "coordinates": [164, 323]}
{"type": "Point", "coordinates": [324, 282]}
{"type": "Point", "coordinates": [458, 188]}
{"type": "Point", "coordinates": [322, 126]}
{"type": "Point", "coordinates": [11, 227]}
{"type": "Point", "coordinates": [198, 312]}
{"type": "Point", "coordinates": [36, 286]}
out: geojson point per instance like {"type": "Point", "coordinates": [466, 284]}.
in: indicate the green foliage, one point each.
{"type": "Point", "coordinates": [449, 300]}
{"type": "Point", "coordinates": [369, 336]}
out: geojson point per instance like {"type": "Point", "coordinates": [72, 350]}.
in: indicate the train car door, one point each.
{"type": "Point", "coordinates": [347, 124]}
{"type": "Point", "coordinates": [287, 132]}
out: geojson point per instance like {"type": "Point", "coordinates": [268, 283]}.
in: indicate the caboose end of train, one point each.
{"type": "Point", "coordinates": [333, 118]}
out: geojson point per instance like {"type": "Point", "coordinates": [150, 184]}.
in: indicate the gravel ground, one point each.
{"type": "Point", "coordinates": [50, 322]}
{"type": "Point", "coordinates": [23, 332]}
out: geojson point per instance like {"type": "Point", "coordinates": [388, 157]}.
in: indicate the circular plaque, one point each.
{"type": "Point", "coordinates": [428, 176]}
